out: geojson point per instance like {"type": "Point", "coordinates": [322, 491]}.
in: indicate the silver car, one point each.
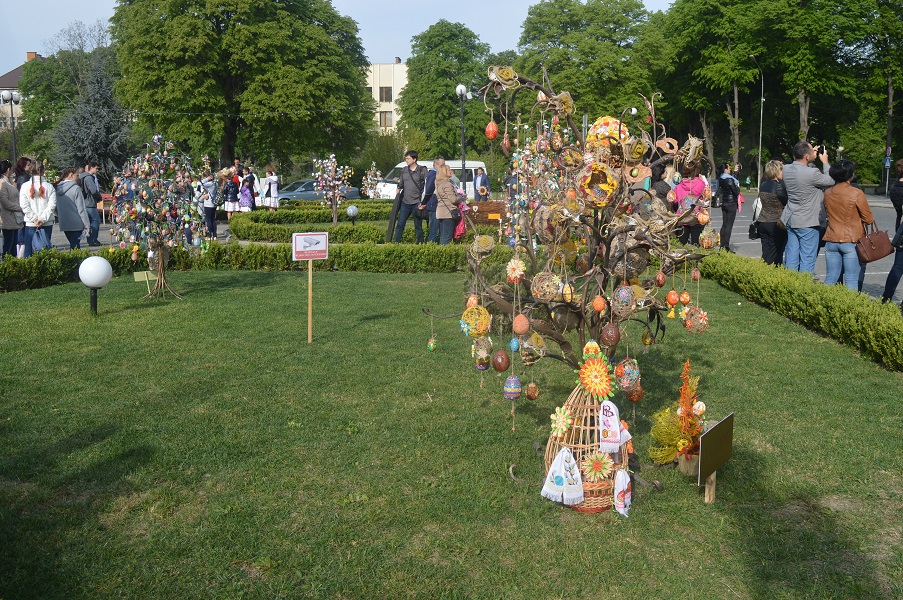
{"type": "Point", "coordinates": [306, 189]}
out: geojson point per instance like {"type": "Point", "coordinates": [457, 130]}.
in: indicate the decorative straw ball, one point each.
{"type": "Point", "coordinates": [672, 298]}
{"type": "Point", "coordinates": [685, 297]}
{"type": "Point", "coordinates": [660, 279]}
{"type": "Point", "coordinates": [628, 373]}
{"type": "Point", "coordinates": [521, 324]}
{"type": "Point", "coordinates": [697, 320]}
{"type": "Point", "coordinates": [611, 335]}
{"type": "Point", "coordinates": [501, 361]}
{"type": "Point", "coordinates": [600, 304]}
{"type": "Point", "coordinates": [472, 300]}
{"type": "Point", "coordinates": [696, 274]}
{"type": "Point", "coordinates": [512, 387]}
{"type": "Point", "coordinates": [532, 391]}
{"type": "Point", "coordinates": [635, 394]}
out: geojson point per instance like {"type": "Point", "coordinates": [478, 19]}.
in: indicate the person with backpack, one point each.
{"type": "Point", "coordinates": [91, 190]}
{"type": "Point", "coordinates": [411, 186]}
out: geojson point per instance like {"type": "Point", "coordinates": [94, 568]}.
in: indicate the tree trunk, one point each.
{"type": "Point", "coordinates": [803, 101]}
{"type": "Point", "coordinates": [890, 110]}
{"type": "Point", "coordinates": [158, 264]}
{"type": "Point", "coordinates": [708, 133]}
{"type": "Point", "coordinates": [733, 119]}
{"type": "Point", "coordinates": [230, 137]}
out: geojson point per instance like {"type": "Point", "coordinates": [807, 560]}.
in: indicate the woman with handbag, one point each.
{"type": "Point", "coordinates": [38, 200]}
{"type": "Point", "coordinates": [11, 215]}
{"type": "Point", "coordinates": [773, 196]}
{"type": "Point", "coordinates": [847, 210]}
{"type": "Point", "coordinates": [447, 202]}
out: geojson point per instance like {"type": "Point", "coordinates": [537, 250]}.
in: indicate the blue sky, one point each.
{"type": "Point", "coordinates": [385, 27]}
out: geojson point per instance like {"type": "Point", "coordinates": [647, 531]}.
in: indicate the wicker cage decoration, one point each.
{"type": "Point", "coordinates": [581, 437]}
{"type": "Point", "coordinates": [475, 321]}
{"type": "Point", "coordinates": [545, 286]}
{"type": "Point", "coordinates": [482, 244]}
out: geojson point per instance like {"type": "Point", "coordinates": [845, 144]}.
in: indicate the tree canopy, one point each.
{"type": "Point", "coordinates": [250, 78]}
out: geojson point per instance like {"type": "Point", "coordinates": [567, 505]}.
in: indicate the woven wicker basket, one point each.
{"type": "Point", "coordinates": [582, 438]}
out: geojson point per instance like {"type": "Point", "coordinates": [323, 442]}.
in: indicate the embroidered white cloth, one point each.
{"type": "Point", "coordinates": [609, 427]}
{"type": "Point", "coordinates": [563, 483]}
{"type": "Point", "coordinates": [622, 492]}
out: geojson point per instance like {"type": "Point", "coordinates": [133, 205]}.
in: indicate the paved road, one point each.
{"type": "Point", "coordinates": [876, 273]}
{"type": "Point", "coordinates": [875, 276]}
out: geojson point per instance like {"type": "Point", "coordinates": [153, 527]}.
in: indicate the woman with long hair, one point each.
{"type": "Point", "coordinates": [11, 214]}
{"type": "Point", "coordinates": [447, 200]}
{"type": "Point", "coordinates": [21, 173]}
{"type": "Point", "coordinates": [71, 209]}
{"type": "Point", "coordinates": [847, 210]}
{"type": "Point", "coordinates": [38, 199]}
{"type": "Point", "coordinates": [773, 196]}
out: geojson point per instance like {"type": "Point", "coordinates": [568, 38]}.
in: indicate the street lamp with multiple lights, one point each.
{"type": "Point", "coordinates": [11, 98]}
{"type": "Point", "coordinates": [761, 109]}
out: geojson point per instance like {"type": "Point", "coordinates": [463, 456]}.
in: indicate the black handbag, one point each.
{"type": "Point", "coordinates": [422, 213]}
{"type": "Point", "coordinates": [456, 215]}
{"type": "Point", "coordinates": [754, 231]}
{"type": "Point", "coordinates": [897, 242]}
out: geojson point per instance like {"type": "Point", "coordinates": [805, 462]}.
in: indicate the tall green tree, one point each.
{"type": "Point", "coordinates": [95, 128]}
{"type": "Point", "coordinates": [588, 49]}
{"type": "Point", "coordinates": [442, 57]}
{"type": "Point", "coordinates": [251, 78]}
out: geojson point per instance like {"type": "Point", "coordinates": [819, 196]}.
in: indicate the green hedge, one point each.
{"type": "Point", "coordinates": [248, 230]}
{"type": "Point", "coordinates": [52, 267]}
{"type": "Point", "coordinates": [873, 328]}
{"type": "Point", "coordinates": [314, 214]}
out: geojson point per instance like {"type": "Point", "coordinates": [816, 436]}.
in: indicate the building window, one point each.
{"type": "Point", "coordinates": [385, 94]}
{"type": "Point", "coordinates": [385, 118]}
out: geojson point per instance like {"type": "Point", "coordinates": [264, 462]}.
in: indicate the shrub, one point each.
{"type": "Point", "coordinates": [853, 319]}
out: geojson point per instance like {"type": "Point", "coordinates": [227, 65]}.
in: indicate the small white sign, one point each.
{"type": "Point", "coordinates": [310, 246]}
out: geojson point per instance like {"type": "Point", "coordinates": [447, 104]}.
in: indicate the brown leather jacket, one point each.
{"type": "Point", "coordinates": [847, 210]}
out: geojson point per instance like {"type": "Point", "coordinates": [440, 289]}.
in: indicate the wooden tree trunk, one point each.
{"type": "Point", "coordinates": [890, 109]}
{"type": "Point", "coordinates": [803, 101]}
{"type": "Point", "coordinates": [708, 132]}
{"type": "Point", "coordinates": [735, 127]}
{"type": "Point", "coordinates": [158, 264]}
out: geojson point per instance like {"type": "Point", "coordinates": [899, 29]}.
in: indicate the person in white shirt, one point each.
{"type": "Point", "coordinates": [38, 200]}
{"type": "Point", "coordinates": [270, 187]}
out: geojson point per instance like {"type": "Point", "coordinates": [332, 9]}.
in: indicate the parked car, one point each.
{"type": "Point", "coordinates": [307, 190]}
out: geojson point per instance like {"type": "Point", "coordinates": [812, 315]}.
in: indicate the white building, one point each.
{"type": "Point", "coordinates": [385, 82]}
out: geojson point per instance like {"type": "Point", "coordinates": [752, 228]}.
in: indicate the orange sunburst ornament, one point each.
{"type": "Point", "coordinates": [596, 379]}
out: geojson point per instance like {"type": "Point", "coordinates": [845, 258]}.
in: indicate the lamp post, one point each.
{"type": "Point", "coordinates": [463, 95]}
{"type": "Point", "coordinates": [8, 97]}
{"type": "Point", "coordinates": [761, 109]}
{"type": "Point", "coordinates": [95, 272]}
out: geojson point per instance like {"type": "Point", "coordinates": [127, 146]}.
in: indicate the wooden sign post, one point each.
{"type": "Point", "coordinates": [145, 276]}
{"type": "Point", "coordinates": [715, 449]}
{"type": "Point", "coordinates": [310, 247]}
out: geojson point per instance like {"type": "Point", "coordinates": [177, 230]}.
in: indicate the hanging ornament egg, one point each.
{"type": "Point", "coordinates": [696, 274]}
{"type": "Point", "coordinates": [685, 297]}
{"type": "Point", "coordinates": [660, 279]}
{"type": "Point", "coordinates": [501, 361]}
{"type": "Point", "coordinates": [571, 194]}
{"type": "Point", "coordinates": [492, 130]}
{"type": "Point", "coordinates": [512, 387]}
{"type": "Point", "coordinates": [472, 300]}
{"type": "Point", "coordinates": [635, 394]}
{"type": "Point", "coordinates": [514, 344]}
{"type": "Point", "coordinates": [672, 298]}
{"type": "Point", "coordinates": [521, 324]}
{"type": "Point", "coordinates": [567, 292]}
{"type": "Point", "coordinates": [591, 350]}
{"type": "Point", "coordinates": [703, 217]}
{"type": "Point", "coordinates": [532, 391]}
{"type": "Point", "coordinates": [611, 335]}
{"type": "Point", "coordinates": [600, 304]}
{"type": "Point", "coordinates": [431, 345]}
{"type": "Point", "coordinates": [648, 338]}
{"type": "Point", "coordinates": [482, 363]}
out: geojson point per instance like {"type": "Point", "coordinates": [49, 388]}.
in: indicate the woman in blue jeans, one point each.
{"type": "Point", "coordinates": [847, 210]}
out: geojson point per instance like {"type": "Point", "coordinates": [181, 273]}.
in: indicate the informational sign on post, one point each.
{"type": "Point", "coordinates": [310, 247]}
{"type": "Point", "coordinates": [715, 449]}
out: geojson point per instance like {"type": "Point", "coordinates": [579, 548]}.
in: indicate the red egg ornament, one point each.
{"type": "Point", "coordinates": [696, 274]}
{"type": "Point", "coordinates": [660, 279]}
{"type": "Point", "coordinates": [685, 298]}
{"type": "Point", "coordinates": [635, 394]}
{"type": "Point", "coordinates": [611, 335]}
{"type": "Point", "coordinates": [672, 298]}
{"type": "Point", "coordinates": [600, 304]}
{"type": "Point", "coordinates": [492, 130]}
{"type": "Point", "coordinates": [501, 361]}
{"type": "Point", "coordinates": [521, 325]}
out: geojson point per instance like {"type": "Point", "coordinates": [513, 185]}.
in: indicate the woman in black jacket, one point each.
{"type": "Point", "coordinates": [729, 191]}
{"type": "Point", "coordinates": [773, 196]}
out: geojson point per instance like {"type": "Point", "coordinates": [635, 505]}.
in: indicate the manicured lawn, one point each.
{"type": "Point", "coordinates": [203, 449]}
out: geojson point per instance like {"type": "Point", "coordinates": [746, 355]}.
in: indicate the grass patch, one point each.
{"type": "Point", "coordinates": [203, 449]}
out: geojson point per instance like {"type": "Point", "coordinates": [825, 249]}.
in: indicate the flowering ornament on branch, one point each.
{"type": "Point", "coordinates": [330, 179]}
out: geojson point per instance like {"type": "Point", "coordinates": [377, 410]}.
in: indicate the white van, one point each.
{"type": "Point", "coordinates": [388, 186]}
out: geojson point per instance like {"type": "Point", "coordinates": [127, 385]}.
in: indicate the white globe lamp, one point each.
{"type": "Point", "coordinates": [352, 212]}
{"type": "Point", "coordinates": [95, 272]}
